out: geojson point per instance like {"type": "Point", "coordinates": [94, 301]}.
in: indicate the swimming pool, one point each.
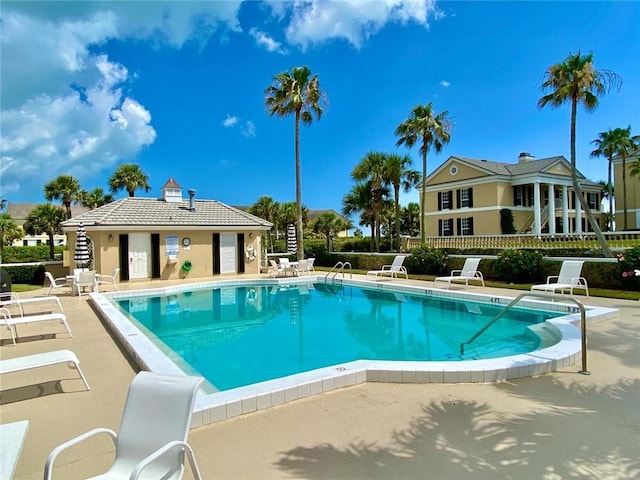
{"type": "Point", "coordinates": [559, 345]}
{"type": "Point", "coordinates": [241, 335]}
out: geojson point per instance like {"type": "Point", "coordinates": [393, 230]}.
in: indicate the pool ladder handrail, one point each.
{"type": "Point", "coordinates": [340, 266]}
{"type": "Point", "coordinates": [583, 322]}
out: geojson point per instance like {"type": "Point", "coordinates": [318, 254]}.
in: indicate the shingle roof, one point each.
{"type": "Point", "coordinates": [140, 211]}
{"type": "Point", "coordinates": [512, 169]}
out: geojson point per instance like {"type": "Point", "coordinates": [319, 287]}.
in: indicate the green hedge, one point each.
{"type": "Point", "coordinates": [32, 253]}
{"type": "Point", "coordinates": [29, 274]}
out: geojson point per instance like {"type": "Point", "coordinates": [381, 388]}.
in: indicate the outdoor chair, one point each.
{"type": "Point", "coordinates": [568, 279]}
{"type": "Point", "coordinates": [303, 267]}
{"type": "Point", "coordinates": [108, 279]}
{"type": "Point", "coordinates": [277, 270]}
{"type": "Point", "coordinates": [152, 441]}
{"type": "Point", "coordinates": [13, 299]}
{"type": "Point", "coordinates": [10, 321]}
{"type": "Point", "coordinates": [55, 282]}
{"type": "Point", "coordinates": [38, 360]}
{"type": "Point", "coordinates": [86, 279]}
{"type": "Point", "coordinates": [468, 273]}
{"type": "Point", "coordinates": [310, 264]}
{"type": "Point", "coordinates": [392, 270]}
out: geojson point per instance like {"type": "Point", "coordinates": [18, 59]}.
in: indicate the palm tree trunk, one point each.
{"type": "Point", "coordinates": [606, 251]}
{"type": "Point", "coordinates": [396, 193]}
{"type": "Point", "coordinates": [624, 191]}
{"type": "Point", "coordinates": [300, 247]}
{"type": "Point", "coordinates": [610, 193]}
{"type": "Point", "coordinates": [51, 247]}
{"type": "Point", "coordinates": [423, 201]}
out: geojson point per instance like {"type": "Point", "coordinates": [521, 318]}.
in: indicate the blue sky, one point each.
{"type": "Point", "coordinates": [178, 88]}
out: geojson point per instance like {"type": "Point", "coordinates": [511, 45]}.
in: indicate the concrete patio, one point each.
{"type": "Point", "coordinates": [559, 425]}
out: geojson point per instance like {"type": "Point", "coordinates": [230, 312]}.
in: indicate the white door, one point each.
{"type": "Point", "coordinates": [139, 254]}
{"type": "Point", "coordinates": [228, 257]}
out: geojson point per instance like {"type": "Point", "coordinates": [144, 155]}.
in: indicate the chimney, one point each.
{"type": "Point", "coordinates": [525, 157]}
{"type": "Point", "coordinates": [192, 194]}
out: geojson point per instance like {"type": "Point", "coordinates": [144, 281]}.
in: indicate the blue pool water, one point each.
{"type": "Point", "coordinates": [241, 335]}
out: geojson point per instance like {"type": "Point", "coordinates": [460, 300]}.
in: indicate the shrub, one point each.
{"type": "Point", "coordinates": [628, 264]}
{"type": "Point", "coordinates": [506, 222]}
{"type": "Point", "coordinates": [427, 261]}
{"type": "Point", "coordinates": [29, 274]}
{"type": "Point", "coordinates": [519, 266]}
{"type": "Point", "coordinates": [32, 253]}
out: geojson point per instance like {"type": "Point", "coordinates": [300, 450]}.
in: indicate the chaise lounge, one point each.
{"type": "Point", "coordinates": [396, 268]}
{"type": "Point", "coordinates": [468, 273]}
{"type": "Point", "coordinates": [11, 321]}
{"type": "Point", "coordinates": [568, 279]}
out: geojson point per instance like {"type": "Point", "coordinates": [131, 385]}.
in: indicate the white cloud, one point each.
{"type": "Point", "coordinates": [249, 129]}
{"type": "Point", "coordinates": [445, 84]}
{"type": "Point", "coordinates": [230, 121]}
{"type": "Point", "coordinates": [63, 106]}
{"type": "Point", "coordinates": [264, 40]}
{"type": "Point", "coordinates": [313, 22]}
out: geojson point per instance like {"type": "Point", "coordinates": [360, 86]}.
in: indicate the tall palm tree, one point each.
{"type": "Point", "coordinates": [371, 168]}
{"type": "Point", "coordinates": [129, 177]}
{"type": "Point", "coordinates": [433, 130]}
{"type": "Point", "coordinates": [267, 209]}
{"type": "Point", "coordinates": [95, 198]}
{"type": "Point", "coordinates": [576, 81]}
{"type": "Point", "coordinates": [399, 173]}
{"type": "Point", "coordinates": [288, 214]}
{"type": "Point", "coordinates": [296, 92]}
{"type": "Point", "coordinates": [411, 219]}
{"type": "Point", "coordinates": [634, 169]}
{"type": "Point", "coordinates": [616, 143]}
{"type": "Point", "coordinates": [45, 218]}
{"type": "Point", "coordinates": [360, 201]}
{"type": "Point", "coordinates": [64, 188]}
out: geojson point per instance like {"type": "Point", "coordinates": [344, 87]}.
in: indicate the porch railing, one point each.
{"type": "Point", "coordinates": [545, 241]}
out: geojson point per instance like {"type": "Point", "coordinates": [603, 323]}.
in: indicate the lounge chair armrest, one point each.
{"type": "Point", "coordinates": [453, 272]}
{"type": "Point", "coordinates": [551, 277]}
{"type": "Point", "coordinates": [386, 267]}
{"type": "Point", "coordinates": [163, 450]}
{"type": "Point", "coordinates": [48, 467]}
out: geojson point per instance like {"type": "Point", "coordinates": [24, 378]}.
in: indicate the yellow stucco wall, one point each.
{"type": "Point", "coordinates": [633, 196]}
{"type": "Point", "coordinates": [465, 172]}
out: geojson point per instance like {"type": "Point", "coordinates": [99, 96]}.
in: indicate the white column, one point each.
{"type": "Point", "coordinates": [578, 208]}
{"type": "Point", "coordinates": [565, 209]}
{"type": "Point", "coordinates": [552, 208]}
{"type": "Point", "coordinates": [536, 208]}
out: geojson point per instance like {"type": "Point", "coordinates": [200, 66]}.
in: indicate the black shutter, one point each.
{"type": "Point", "coordinates": [459, 225]}
{"type": "Point", "coordinates": [470, 197]}
{"type": "Point", "coordinates": [124, 256]}
{"type": "Point", "coordinates": [470, 225]}
{"type": "Point", "coordinates": [155, 255]}
{"type": "Point", "coordinates": [458, 195]}
{"type": "Point", "coordinates": [439, 222]}
{"type": "Point", "coordinates": [451, 227]}
{"type": "Point", "coordinates": [450, 200]}
{"type": "Point", "coordinates": [240, 252]}
{"type": "Point", "coordinates": [440, 201]}
{"type": "Point", "coordinates": [215, 245]}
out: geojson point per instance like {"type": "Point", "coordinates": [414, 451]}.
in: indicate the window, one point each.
{"type": "Point", "coordinates": [465, 197]}
{"type": "Point", "coordinates": [465, 226]}
{"type": "Point", "coordinates": [518, 197]}
{"type": "Point", "coordinates": [444, 200]}
{"type": "Point", "coordinates": [592, 199]}
{"type": "Point", "coordinates": [445, 227]}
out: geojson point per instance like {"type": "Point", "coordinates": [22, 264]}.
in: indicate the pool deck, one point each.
{"type": "Point", "coordinates": [557, 425]}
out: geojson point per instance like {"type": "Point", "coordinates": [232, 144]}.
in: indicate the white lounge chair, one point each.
{"type": "Point", "coordinates": [86, 279]}
{"type": "Point", "coordinates": [303, 267]}
{"type": "Point", "coordinates": [15, 300]}
{"type": "Point", "coordinates": [310, 264]}
{"type": "Point", "coordinates": [396, 268]}
{"type": "Point", "coordinates": [277, 270]}
{"type": "Point", "coordinates": [108, 279]}
{"type": "Point", "coordinates": [10, 321]}
{"type": "Point", "coordinates": [29, 362]}
{"type": "Point", "coordinates": [152, 441]}
{"type": "Point", "coordinates": [568, 279]}
{"type": "Point", "coordinates": [469, 272]}
{"type": "Point", "coordinates": [55, 282]}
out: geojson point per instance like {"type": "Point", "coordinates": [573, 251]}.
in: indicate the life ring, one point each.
{"type": "Point", "coordinates": [252, 294]}
{"type": "Point", "coordinates": [250, 252]}
{"type": "Point", "coordinates": [187, 266]}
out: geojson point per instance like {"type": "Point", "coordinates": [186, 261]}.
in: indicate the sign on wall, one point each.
{"type": "Point", "coordinates": [171, 245]}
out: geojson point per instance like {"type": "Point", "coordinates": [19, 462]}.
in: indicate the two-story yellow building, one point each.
{"type": "Point", "coordinates": [633, 194]}
{"type": "Point", "coordinates": [464, 196]}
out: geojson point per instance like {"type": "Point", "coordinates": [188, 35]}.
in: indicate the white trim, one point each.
{"type": "Point", "coordinates": [168, 228]}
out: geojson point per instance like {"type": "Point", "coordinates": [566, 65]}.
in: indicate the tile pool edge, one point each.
{"type": "Point", "coordinates": [217, 406]}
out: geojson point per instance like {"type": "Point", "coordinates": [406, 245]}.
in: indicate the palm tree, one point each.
{"type": "Point", "coordinates": [411, 219]}
{"type": "Point", "coordinates": [433, 130]}
{"type": "Point", "coordinates": [371, 168]}
{"type": "Point", "coordinates": [296, 92]}
{"type": "Point", "coordinates": [45, 218]}
{"type": "Point", "coordinates": [634, 169]}
{"type": "Point", "coordinates": [9, 230]}
{"type": "Point", "coordinates": [267, 209]}
{"type": "Point", "coordinates": [360, 201]}
{"type": "Point", "coordinates": [95, 198]}
{"type": "Point", "coordinates": [617, 142]}
{"type": "Point", "coordinates": [288, 214]}
{"type": "Point", "coordinates": [399, 173]}
{"type": "Point", "coordinates": [129, 177]}
{"type": "Point", "coordinates": [64, 188]}
{"type": "Point", "coordinates": [3, 204]}
{"type": "Point", "coordinates": [575, 80]}
{"type": "Point", "coordinates": [329, 224]}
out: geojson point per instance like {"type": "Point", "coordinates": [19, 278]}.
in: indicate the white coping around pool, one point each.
{"type": "Point", "coordinates": [213, 406]}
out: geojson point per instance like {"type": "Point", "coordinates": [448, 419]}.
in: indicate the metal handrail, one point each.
{"type": "Point", "coordinates": [340, 268]}
{"type": "Point", "coordinates": [583, 323]}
